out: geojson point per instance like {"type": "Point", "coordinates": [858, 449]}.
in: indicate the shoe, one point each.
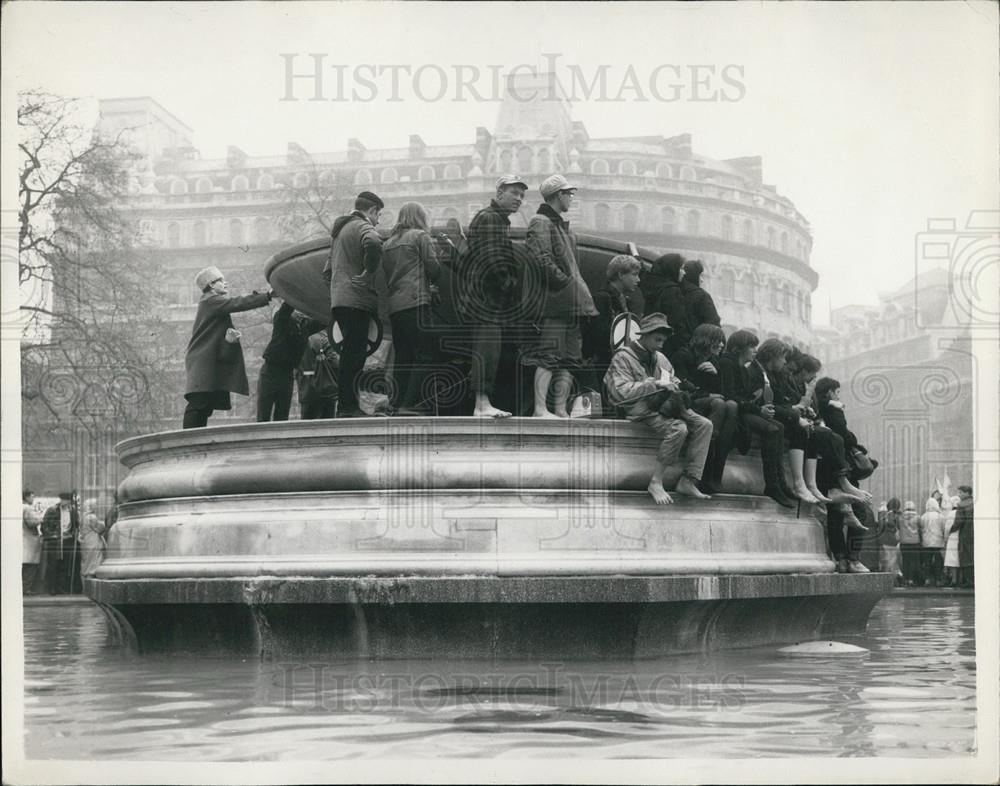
{"type": "Point", "coordinates": [842, 566]}
{"type": "Point", "coordinates": [779, 497]}
{"type": "Point", "coordinates": [856, 567]}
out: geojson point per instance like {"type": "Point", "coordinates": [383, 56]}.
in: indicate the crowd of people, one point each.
{"type": "Point", "coordinates": [648, 346]}
{"type": "Point", "coordinates": [62, 544]}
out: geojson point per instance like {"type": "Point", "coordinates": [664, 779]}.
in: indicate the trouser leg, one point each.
{"type": "Point", "coordinates": [353, 323]}
{"type": "Point", "coordinates": [29, 572]}
{"type": "Point", "coordinates": [198, 410]}
{"type": "Point", "coordinates": [699, 437]}
{"type": "Point", "coordinates": [672, 432]}
{"type": "Point", "coordinates": [485, 357]}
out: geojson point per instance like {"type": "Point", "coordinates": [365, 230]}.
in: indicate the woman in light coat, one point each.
{"type": "Point", "coordinates": [91, 539]}
{"type": "Point", "coordinates": [951, 564]}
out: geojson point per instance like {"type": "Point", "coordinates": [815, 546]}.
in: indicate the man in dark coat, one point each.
{"type": "Point", "coordinates": [697, 302]}
{"type": "Point", "coordinates": [214, 358]}
{"type": "Point", "coordinates": [290, 330]}
{"type": "Point", "coordinates": [61, 553]}
{"type": "Point", "coordinates": [355, 256]}
{"type": "Point", "coordinates": [964, 519]}
{"type": "Point", "coordinates": [490, 289]}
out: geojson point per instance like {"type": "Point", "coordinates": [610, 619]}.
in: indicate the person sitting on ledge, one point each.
{"type": "Point", "coordinates": [214, 357]}
{"type": "Point", "coordinates": [698, 303]}
{"type": "Point", "coordinates": [641, 381]}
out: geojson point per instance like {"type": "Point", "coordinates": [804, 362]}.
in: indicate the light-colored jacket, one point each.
{"type": "Point", "coordinates": [31, 539]}
{"type": "Point", "coordinates": [909, 525]}
{"type": "Point", "coordinates": [631, 380]}
{"type": "Point", "coordinates": [411, 266]}
{"type": "Point", "coordinates": [552, 247]}
{"type": "Point", "coordinates": [932, 534]}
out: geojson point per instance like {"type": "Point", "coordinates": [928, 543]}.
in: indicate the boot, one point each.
{"type": "Point", "coordinates": [707, 484]}
{"type": "Point", "coordinates": [810, 479]}
{"type": "Point", "coordinates": [796, 457]}
{"type": "Point", "coordinates": [770, 462]}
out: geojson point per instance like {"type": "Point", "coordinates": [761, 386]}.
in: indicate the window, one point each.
{"type": "Point", "coordinates": [240, 183]}
{"type": "Point", "coordinates": [809, 307]}
{"type": "Point", "coordinates": [525, 160]}
{"type": "Point", "coordinates": [727, 284]}
{"type": "Point", "coordinates": [784, 243]}
{"type": "Point", "coordinates": [178, 186]}
{"type": "Point", "coordinates": [630, 217]}
{"type": "Point", "coordinates": [693, 223]}
{"type": "Point", "coordinates": [204, 186]}
{"type": "Point", "coordinates": [505, 162]}
{"type": "Point", "coordinates": [362, 178]}
{"type": "Point", "coordinates": [389, 175]}
{"type": "Point", "coordinates": [602, 217]}
{"type": "Point", "coordinates": [265, 182]}
{"type": "Point", "coordinates": [668, 220]}
{"type": "Point", "coordinates": [771, 240]}
{"type": "Point", "coordinates": [744, 289]}
{"type": "Point", "coordinates": [425, 173]}
{"type": "Point", "coordinates": [727, 227]}
{"type": "Point", "coordinates": [173, 234]}
{"type": "Point", "coordinates": [627, 168]}
{"type": "Point", "coordinates": [452, 172]}
{"type": "Point", "coordinates": [786, 299]}
{"type": "Point", "coordinates": [236, 232]}
{"type": "Point", "coordinates": [664, 172]}
{"type": "Point", "coordinates": [599, 167]}
{"type": "Point", "coordinates": [747, 231]}
{"type": "Point", "coordinates": [261, 230]}
{"type": "Point", "coordinates": [773, 298]}
{"type": "Point", "coordinates": [199, 234]}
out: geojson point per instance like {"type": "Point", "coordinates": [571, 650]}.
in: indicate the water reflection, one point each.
{"type": "Point", "coordinates": [913, 695]}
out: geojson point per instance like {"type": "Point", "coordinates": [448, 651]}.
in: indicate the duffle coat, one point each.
{"type": "Point", "coordinates": [212, 363]}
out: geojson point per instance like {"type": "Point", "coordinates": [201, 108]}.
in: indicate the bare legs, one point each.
{"type": "Point", "coordinates": [561, 381]}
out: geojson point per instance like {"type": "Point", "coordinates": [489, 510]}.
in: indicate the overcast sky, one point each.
{"type": "Point", "coordinates": [871, 117]}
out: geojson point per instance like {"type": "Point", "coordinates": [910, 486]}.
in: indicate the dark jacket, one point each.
{"type": "Point", "coordinates": [699, 384]}
{"type": "Point", "coordinates": [597, 329]}
{"type": "Point", "coordinates": [555, 278]}
{"type": "Point", "coordinates": [355, 248]}
{"type": "Point", "coordinates": [212, 363]}
{"type": "Point", "coordinates": [288, 339]}
{"type": "Point", "coordinates": [51, 525]}
{"type": "Point", "coordinates": [836, 421]}
{"type": "Point", "coordinates": [698, 303]}
{"type": "Point", "coordinates": [489, 281]}
{"type": "Point", "coordinates": [734, 379]}
{"type": "Point", "coordinates": [411, 266]}
{"type": "Point", "coordinates": [963, 525]}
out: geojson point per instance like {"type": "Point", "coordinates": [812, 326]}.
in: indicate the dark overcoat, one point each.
{"type": "Point", "coordinates": [214, 364]}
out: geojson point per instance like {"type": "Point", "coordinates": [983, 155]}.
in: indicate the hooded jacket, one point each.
{"type": "Point", "coordinates": [698, 303]}
{"type": "Point", "coordinates": [663, 293]}
{"type": "Point", "coordinates": [932, 534]}
{"type": "Point", "coordinates": [909, 525]}
{"type": "Point", "coordinates": [552, 250]}
{"type": "Point", "coordinates": [355, 248]}
{"type": "Point", "coordinates": [964, 517]}
{"type": "Point", "coordinates": [631, 380]}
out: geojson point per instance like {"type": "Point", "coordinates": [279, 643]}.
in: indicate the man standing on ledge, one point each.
{"type": "Point", "coordinates": [490, 295]}
{"type": "Point", "coordinates": [565, 297]}
{"type": "Point", "coordinates": [214, 358]}
{"type": "Point", "coordinates": [641, 381]}
{"type": "Point", "coordinates": [355, 256]}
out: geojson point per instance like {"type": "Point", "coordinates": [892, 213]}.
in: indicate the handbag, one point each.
{"type": "Point", "coordinates": [325, 383]}
{"type": "Point", "coordinates": [587, 405]}
{"type": "Point", "coordinates": [861, 463]}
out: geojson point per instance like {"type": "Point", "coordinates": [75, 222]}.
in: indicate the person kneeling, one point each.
{"type": "Point", "coordinates": [641, 381]}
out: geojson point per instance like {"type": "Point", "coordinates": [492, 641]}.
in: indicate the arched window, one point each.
{"type": "Point", "coordinates": [425, 173]}
{"type": "Point", "coordinates": [747, 231]}
{"type": "Point", "coordinates": [668, 220]}
{"type": "Point", "coordinates": [235, 232]}
{"type": "Point", "coordinates": [362, 178]}
{"type": "Point", "coordinates": [630, 218]}
{"type": "Point", "coordinates": [744, 289]}
{"type": "Point", "coordinates": [687, 173]}
{"type": "Point", "coordinates": [727, 284]}
{"type": "Point", "coordinates": [525, 160]}
{"type": "Point", "coordinates": [771, 240]}
{"type": "Point", "coordinates": [505, 162]}
{"type": "Point", "coordinates": [240, 183]}
{"type": "Point", "coordinates": [692, 225]}
{"type": "Point", "coordinates": [204, 186]}
{"type": "Point", "coordinates": [452, 172]}
{"type": "Point", "coordinates": [664, 172]}
{"type": "Point", "coordinates": [602, 217]}
{"type": "Point", "coordinates": [388, 175]}
{"type": "Point", "coordinates": [544, 161]}
{"type": "Point", "coordinates": [178, 186]}
{"type": "Point", "coordinates": [173, 234]}
{"type": "Point", "coordinates": [261, 230]}
{"type": "Point", "coordinates": [627, 168]}
{"type": "Point", "coordinates": [599, 167]}
{"type": "Point", "coordinates": [199, 234]}
{"type": "Point", "coordinates": [809, 307]}
{"type": "Point", "coordinates": [774, 295]}
{"type": "Point", "coordinates": [301, 180]}
{"type": "Point", "coordinates": [265, 182]}
{"type": "Point", "coordinates": [800, 248]}
{"type": "Point", "coordinates": [784, 243]}
{"type": "Point", "coordinates": [727, 227]}
{"type": "Point", "coordinates": [786, 299]}
{"type": "Point", "coordinates": [800, 302]}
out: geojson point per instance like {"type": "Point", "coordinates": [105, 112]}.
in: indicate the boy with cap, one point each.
{"type": "Point", "coordinates": [489, 294]}
{"type": "Point", "coordinates": [640, 380]}
{"type": "Point", "coordinates": [564, 296]}
{"type": "Point", "coordinates": [214, 357]}
{"type": "Point", "coordinates": [355, 256]}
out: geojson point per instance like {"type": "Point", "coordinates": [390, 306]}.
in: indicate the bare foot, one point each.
{"type": "Point", "coordinates": [686, 486]}
{"type": "Point", "coordinates": [490, 412]}
{"type": "Point", "coordinates": [562, 413]}
{"type": "Point", "coordinates": [803, 494]}
{"type": "Point", "coordinates": [544, 414]}
{"type": "Point", "coordinates": [658, 493]}
{"type": "Point", "coordinates": [818, 494]}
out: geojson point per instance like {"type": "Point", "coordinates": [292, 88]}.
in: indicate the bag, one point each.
{"type": "Point", "coordinates": [587, 405]}
{"type": "Point", "coordinates": [862, 466]}
{"type": "Point", "coordinates": [325, 383]}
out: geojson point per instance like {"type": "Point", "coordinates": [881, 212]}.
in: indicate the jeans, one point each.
{"type": "Point", "coordinates": [274, 393]}
{"type": "Point", "coordinates": [414, 341]}
{"type": "Point", "coordinates": [691, 431]}
{"type": "Point", "coordinates": [353, 324]}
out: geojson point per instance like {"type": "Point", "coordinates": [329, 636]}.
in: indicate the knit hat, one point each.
{"type": "Point", "coordinates": [207, 276]}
